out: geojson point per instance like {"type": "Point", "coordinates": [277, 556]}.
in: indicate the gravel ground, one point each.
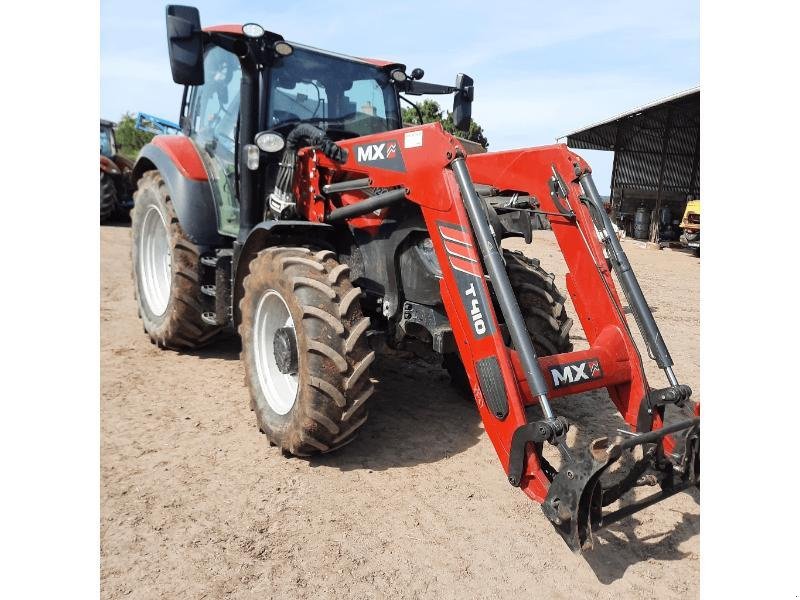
{"type": "Point", "coordinates": [196, 504]}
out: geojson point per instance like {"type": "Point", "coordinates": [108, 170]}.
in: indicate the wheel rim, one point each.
{"type": "Point", "coordinates": [155, 261]}
{"type": "Point", "coordinates": [272, 314]}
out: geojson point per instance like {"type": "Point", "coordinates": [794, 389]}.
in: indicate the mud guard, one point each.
{"type": "Point", "coordinates": [264, 235]}
{"type": "Point", "coordinates": [177, 160]}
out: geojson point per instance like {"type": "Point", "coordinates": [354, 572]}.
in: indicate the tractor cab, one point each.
{"type": "Point", "coordinates": [108, 145]}
{"type": "Point", "coordinates": [243, 80]}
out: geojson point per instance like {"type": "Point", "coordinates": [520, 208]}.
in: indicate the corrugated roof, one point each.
{"type": "Point", "coordinates": [633, 112]}
{"type": "Point", "coordinates": [657, 146]}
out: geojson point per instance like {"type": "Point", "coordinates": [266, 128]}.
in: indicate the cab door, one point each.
{"type": "Point", "coordinates": [213, 126]}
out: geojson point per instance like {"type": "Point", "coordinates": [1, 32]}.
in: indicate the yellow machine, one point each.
{"type": "Point", "coordinates": [691, 226]}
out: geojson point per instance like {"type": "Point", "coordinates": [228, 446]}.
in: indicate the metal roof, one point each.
{"type": "Point", "coordinates": [657, 146]}
{"type": "Point", "coordinates": [579, 135]}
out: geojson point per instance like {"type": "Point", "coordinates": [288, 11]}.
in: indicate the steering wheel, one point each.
{"type": "Point", "coordinates": [282, 117]}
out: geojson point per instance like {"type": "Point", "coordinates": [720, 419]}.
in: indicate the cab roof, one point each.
{"type": "Point", "coordinates": [236, 29]}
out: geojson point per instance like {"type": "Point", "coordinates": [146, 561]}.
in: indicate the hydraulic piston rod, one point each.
{"type": "Point", "coordinates": [502, 285]}
{"type": "Point", "coordinates": [630, 285]}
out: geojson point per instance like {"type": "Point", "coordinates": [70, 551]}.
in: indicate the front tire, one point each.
{"type": "Point", "coordinates": [166, 270]}
{"type": "Point", "coordinates": [304, 349]}
{"type": "Point", "coordinates": [108, 197]}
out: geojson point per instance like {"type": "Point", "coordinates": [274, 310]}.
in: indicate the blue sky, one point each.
{"type": "Point", "coordinates": [541, 69]}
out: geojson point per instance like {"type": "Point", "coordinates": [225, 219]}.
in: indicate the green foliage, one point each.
{"type": "Point", "coordinates": [431, 112]}
{"type": "Point", "coordinates": [129, 139]}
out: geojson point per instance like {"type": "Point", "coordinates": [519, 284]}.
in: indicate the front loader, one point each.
{"type": "Point", "coordinates": [296, 210]}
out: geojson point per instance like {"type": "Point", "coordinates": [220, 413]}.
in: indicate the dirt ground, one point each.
{"type": "Point", "coordinates": [196, 504]}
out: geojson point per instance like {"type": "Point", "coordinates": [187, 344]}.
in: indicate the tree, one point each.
{"type": "Point", "coordinates": [432, 112]}
{"type": "Point", "coordinates": [129, 139]}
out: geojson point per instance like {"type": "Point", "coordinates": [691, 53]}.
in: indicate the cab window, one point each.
{"type": "Point", "coordinates": [215, 104]}
{"type": "Point", "coordinates": [213, 118]}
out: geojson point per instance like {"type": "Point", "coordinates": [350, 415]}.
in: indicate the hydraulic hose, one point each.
{"type": "Point", "coordinates": [281, 200]}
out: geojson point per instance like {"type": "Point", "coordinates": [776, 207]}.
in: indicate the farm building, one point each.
{"type": "Point", "coordinates": [656, 167]}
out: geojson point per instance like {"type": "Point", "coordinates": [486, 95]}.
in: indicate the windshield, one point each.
{"type": "Point", "coordinates": [106, 142]}
{"type": "Point", "coordinates": [333, 92]}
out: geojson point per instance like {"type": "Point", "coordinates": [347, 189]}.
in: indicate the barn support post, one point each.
{"type": "Point", "coordinates": [615, 203]}
{"type": "Point", "coordinates": [654, 229]}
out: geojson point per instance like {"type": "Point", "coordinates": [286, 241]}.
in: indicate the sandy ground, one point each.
{"type": "Point", "coordinates": [196, 504]}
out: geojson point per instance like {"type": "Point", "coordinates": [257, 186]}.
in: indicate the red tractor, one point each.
{"type": "Point", "coordinates": [297, 210]}
{"type": "Point", "coordinates": [115, 172]}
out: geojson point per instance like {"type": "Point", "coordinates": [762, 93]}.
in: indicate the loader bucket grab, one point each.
{"type": "Point", "coordinates": [577, 496]}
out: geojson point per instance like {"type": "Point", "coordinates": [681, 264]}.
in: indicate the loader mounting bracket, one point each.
{"type": "Point", "coordinates": [655, 401]}
{"type": "Point", "coordinates": [576, 497]}
{"type": "Point", "coordinates": [536, 433]}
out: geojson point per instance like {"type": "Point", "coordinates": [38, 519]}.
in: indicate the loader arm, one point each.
{"type": "Point", "coordinates": [428, 167]}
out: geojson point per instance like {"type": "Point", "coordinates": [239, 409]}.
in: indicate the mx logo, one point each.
{"type": "Point", "coordinates": [577, 372]}
{"type": "Point", "coordinates": [384, 155]}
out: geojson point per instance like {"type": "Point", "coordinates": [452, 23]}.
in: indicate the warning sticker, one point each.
{"type": "Point", "coordinates": [413, 139]}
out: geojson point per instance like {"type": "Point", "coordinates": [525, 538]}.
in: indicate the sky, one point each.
{"type": "Point", "coordinates": [541, 69]}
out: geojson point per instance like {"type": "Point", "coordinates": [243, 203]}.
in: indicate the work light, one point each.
{"type": "Point", "coordinates": [252, 30]}
{"type": "Point", "coordinates": [283, 48]}
{"type": "Point", "coordinates": [270, 141]}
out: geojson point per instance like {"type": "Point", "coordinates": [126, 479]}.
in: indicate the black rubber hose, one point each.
{"type": "Point", "coordinates": [307, 134]}
{"type": "Point", "coordinates": [366, 206]}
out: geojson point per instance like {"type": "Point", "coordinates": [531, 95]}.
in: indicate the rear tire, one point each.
{"type": "Point", "coordinates": [166, 270]}
{"type": "Point", "coordinates": [313, 398]}
{"type": "Point", "coordinates": [542, 306]}
{"type": "Point", "coordinates": [108, 197]}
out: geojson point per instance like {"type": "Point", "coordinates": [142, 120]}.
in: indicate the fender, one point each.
{"type": "Point", "coordinates": [179, 163]}
{"type": "Point", "coordinates": [268, 233]}
{"type": "Point", "coordinates": [107, 166]}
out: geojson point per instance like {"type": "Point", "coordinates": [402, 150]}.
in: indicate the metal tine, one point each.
{"type": "Point", "coordinates": [628, 433]}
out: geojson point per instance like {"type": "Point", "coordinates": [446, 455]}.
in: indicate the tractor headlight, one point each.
{"type": "Point", "coordinates": [270, 141]}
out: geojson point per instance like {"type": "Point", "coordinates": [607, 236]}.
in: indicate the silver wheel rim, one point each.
{"type": "Point", "coordinates": [280, 389]}
{"type": "Point", "coordinates": [155, 261]}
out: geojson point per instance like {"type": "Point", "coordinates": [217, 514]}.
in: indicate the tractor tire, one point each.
{"type": "Point", "coordinates": [166, 271]}
{"type": "Point", "coordinates": [108, 197]}
{"type": "Point", "coordinates": [542, 307]}
{"type": "Point", "coordinates": [305, 350]}
{"type": "Point", "coordinates": [688, 237]}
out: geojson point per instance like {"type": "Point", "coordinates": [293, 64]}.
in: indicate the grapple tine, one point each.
{"type": "Point", "coordinates": [574, 501]}
{"type": "Point", "coordinates": [576, 497]}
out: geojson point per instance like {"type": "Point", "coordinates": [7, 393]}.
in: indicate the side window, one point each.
{"type": "Point", "coordinates": [215, 104]}
{"type": "Point", "coordinates": [213, 114]}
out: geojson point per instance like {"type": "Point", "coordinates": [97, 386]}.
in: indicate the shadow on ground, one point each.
{"type": "Point", "coordinates": [227, 347]}
{"type": "Point", "coordinates": [122, 222]}
{"type": "Point", "coordinates": [618, 547]}
{"type": "Point", "coordinates": [415, 417]}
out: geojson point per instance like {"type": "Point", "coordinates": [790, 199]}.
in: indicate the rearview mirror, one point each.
{"type": "Point", "coordinates": [462, 102]}
{"type": "Point", "coordinates": [185, 42]}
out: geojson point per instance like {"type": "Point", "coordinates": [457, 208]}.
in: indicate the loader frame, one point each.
{"type": "Point", "coordinates": [437, 175]}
